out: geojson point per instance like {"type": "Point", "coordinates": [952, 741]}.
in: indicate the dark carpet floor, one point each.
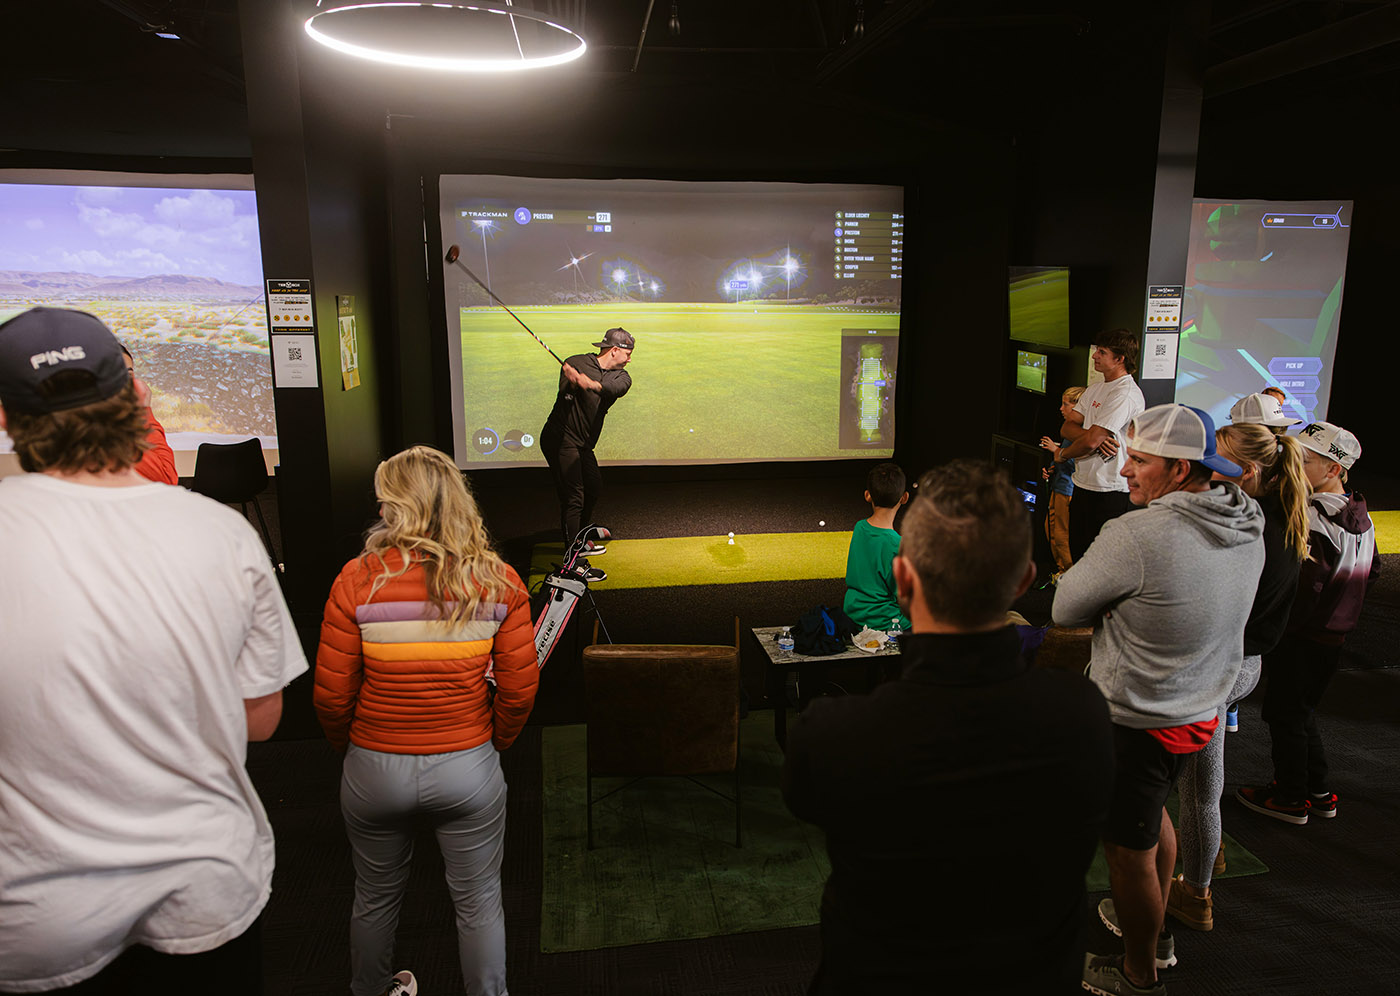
{"type": "Point", "coordinates": [1325, 919]}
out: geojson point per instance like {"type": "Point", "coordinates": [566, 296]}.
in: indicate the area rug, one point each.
{"type": "Point", "coordinates": [665, 866]}
{"type": "Point", "coordinates": [691, 560]}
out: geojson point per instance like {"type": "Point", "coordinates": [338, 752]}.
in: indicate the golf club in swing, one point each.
{"type": "Point", "coordinates": [454, 256]}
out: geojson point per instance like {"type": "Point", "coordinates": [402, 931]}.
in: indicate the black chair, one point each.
{"type": "Point", "coordinates": [235, 474]}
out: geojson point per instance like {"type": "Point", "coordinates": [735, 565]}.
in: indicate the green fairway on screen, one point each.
{"type": "Point", "coordinates": [1030, 371]}
{"type": "Point", "coordinates": [1038, 300]}
{"type": "Point", "coordinates": [766, 315]}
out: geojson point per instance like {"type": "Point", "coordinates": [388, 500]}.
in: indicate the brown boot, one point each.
{"type": "Point", "coordinates": [1220, 860]}
{"type": "Point", "coordinates": [1187, 908]}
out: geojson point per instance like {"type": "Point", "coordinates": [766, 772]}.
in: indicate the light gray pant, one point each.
{"type": "Point", "coordinates": [1200, 785]}
{"type": "Point", "coordinates": [462, 796]}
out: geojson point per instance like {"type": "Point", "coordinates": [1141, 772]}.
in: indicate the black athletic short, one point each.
{"type": "Point", "coordinates": [1146, 772]}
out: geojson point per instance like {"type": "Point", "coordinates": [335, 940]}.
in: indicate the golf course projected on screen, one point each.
{"type": "Point", "coordinates": [1038, 299]}
{"type": "Point", "coordinates": [766, 315]}
{"type": "Point", "coordinates": [1263, 304]}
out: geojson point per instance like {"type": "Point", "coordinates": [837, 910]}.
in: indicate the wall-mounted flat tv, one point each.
{"type": "Point", "coordinates": [766, 315]}
{"type": "Point", "coordinates": [1038, 299]}
{"type": "Point", "coordinates": [1030, 371]}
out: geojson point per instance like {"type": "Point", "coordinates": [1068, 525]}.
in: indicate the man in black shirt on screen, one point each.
{"type": "Point", "coordinates": [588, 386]}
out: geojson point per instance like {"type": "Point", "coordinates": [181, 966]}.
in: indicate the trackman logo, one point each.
{"type": "Point", "coordinates": [57, 356]}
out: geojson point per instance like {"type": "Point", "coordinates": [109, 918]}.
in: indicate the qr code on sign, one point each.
{"type": "Point", "coordinates": [293, 353]}
{"type": "Point", "coordinates": [1160, 349]}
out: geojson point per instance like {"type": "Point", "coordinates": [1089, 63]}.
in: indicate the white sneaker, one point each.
{"type": "Point", "coordinates": [404, 984]}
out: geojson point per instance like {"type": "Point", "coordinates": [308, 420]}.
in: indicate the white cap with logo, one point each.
{"type": "Point", "coordinates": [1331, 441]}
{"type": "Point", "coordinates": [1260, 409]}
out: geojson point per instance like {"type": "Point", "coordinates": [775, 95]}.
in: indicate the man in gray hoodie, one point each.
{"type": "Point", "coordinates": [1167, 588]}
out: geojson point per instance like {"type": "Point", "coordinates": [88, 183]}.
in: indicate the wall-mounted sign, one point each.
{"type": "Point", "coordinates": [1164, 308]}
{"type": "Point", "coordinates": [294, 361]}
{"type": "Point", "coordinates": [289, 306]}
{"type": "Point", "coordinates": [349, 342]}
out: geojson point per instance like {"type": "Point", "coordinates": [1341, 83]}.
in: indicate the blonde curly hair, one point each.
{"type": "Point", "coordinates": [428, 514]}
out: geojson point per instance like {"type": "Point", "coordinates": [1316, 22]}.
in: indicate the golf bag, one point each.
{"type": "Point", "coordinates": [562, 588]}
{"type": "Point", "coordinates": [561, 595]}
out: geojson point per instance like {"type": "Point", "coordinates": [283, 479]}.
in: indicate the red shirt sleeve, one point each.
{"type": "Point", "coordinates": [157, 463]}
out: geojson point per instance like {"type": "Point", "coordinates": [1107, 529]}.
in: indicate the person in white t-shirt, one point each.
{"type": "Point", "coordinates": [146, 642]}
{"type": "Point", "coordinates": [1093, 430]}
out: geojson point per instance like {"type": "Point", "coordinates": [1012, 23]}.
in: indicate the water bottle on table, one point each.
{"type": "Point", "coordinates": [894, 632]}
{"type": "Point", "coordinates": [785, 642]}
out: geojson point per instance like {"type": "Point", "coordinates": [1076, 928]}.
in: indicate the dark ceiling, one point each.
{"type": "Point", "coordinates": [94, 76]}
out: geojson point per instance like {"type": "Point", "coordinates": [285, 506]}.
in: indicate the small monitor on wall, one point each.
{"type": "Point", "coordinates": [1030, 371]}
{"type": "Point", "coordinates": [1038, 298]}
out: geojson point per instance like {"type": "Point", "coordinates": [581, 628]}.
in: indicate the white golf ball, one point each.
{"type": "Point", "coordinates": [731, 535]}
{"type": "Point", "coordinates": [822, 522]}
{"type": "Point", "coordinates": [692, 430]}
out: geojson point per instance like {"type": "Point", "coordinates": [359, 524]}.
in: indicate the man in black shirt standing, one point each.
{"type": "Point", "coordinates": [588, 386]}
{"type": "Point", "coordinates": [962, 801]}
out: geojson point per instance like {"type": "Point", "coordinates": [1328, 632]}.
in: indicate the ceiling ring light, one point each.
{"type": "Point", "coordinates": [322, 25]}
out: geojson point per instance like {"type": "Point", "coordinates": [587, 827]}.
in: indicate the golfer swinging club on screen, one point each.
{"type": "Point", "coordinates": [588, 386]}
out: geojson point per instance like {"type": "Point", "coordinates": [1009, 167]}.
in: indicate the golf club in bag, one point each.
{"type": "Point", "coordinates": [562, 590]}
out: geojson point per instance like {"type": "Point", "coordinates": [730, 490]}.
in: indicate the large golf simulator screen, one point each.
{"type": "Point", "coordinates": [766, 315]}
{"type": "Point", "coordinates": [172, 265]}
{"type": "Point", "coordinates": [1263, 303]}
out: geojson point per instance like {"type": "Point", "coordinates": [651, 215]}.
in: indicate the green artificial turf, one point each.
{"type": "Point", "coordinates": [665, 866]}
{"type": "Point", "coordinates": [712, 382]}
{"type": "Point", "coordinates": [692, 560]}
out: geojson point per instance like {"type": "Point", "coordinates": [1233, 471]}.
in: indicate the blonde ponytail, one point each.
{"type": "Point", "coordinates": [1279, 471]}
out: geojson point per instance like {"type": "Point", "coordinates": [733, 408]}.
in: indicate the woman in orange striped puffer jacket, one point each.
{"type": "Point", "coordinates": [411, 628]}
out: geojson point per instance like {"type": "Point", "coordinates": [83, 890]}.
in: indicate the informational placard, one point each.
{"type": "Point", "coordinates": [1164, 308]}
{"type": "Point", "coordinates": [289, 306]}
{"type": "Point", "coordinates": [1159, 355]}
{"type": "Point", "coordinates": [294, 361]}
{"type": "Point", "coordinates": [349, 342]}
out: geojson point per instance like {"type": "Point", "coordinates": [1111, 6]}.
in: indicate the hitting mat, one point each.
{"type": "Point", "coordinates": [693, 560]}
{"type": "Point", "coordinates": [665, 866]}
{"type": "Point", "coordinates": [1387, 531]}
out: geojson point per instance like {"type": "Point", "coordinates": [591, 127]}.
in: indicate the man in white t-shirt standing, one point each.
{"type": "Point", "coordinates": [145, 643]}
{"type": "Point", "coordinates": [1094, 433]}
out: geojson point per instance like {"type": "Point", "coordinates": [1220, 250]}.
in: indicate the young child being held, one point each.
{"type": "Point", "coordinates": [870, 591]}
{"type": "Point", "coordinates": [1060, 474]}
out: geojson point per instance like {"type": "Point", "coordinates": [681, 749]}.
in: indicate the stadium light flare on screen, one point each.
{"type": "Point", "coordinates": [767, 315]}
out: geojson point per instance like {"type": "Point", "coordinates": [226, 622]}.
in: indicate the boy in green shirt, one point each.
{"type": "Point", "coordinates": [870, 590]}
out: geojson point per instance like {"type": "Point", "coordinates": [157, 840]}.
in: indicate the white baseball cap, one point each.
{"type": "Point", "coordinates": [1260, 409]}
{"type": "Point", "coordinates": [1331, 441]}
{"type": "Point", "coordinates": [1179, 432]}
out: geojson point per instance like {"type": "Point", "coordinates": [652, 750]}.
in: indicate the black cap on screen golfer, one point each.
{"type": "Point", "coordinates": [40, 343]}
{"type": "Point", "coordinates": [618, 337]}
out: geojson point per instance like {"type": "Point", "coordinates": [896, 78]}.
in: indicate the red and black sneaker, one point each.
{"type": "Point", "coordinates": [1266, 800]}
{"type": "Point", "coordinates": [1322, 804]}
